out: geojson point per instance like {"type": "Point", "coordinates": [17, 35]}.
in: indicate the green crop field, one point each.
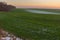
{"type": "Point", "coordinates": [31, 26]}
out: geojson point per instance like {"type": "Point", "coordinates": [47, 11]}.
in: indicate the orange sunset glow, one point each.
{"type": "Point", "coordinates": [34, 3]}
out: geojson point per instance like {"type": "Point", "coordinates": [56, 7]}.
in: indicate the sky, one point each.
{"type": "Point", "coordinates": [34, 3]}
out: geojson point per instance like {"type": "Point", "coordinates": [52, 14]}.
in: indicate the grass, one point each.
{"type": "Point", "coordinates": [31, 26]}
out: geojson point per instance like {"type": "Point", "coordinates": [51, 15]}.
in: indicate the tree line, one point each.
{"type": "Point", "coordinates": [5, 7]}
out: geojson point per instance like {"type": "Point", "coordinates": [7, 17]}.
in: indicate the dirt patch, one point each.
{"type": "Point", "coordinates": [7, 36]}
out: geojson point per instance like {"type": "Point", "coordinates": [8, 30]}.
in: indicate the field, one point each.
{"type": "Point", "coordinates": [31, 26]}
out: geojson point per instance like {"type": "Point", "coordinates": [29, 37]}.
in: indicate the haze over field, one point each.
{"type": "Point", "coordinates": [34, 3]}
